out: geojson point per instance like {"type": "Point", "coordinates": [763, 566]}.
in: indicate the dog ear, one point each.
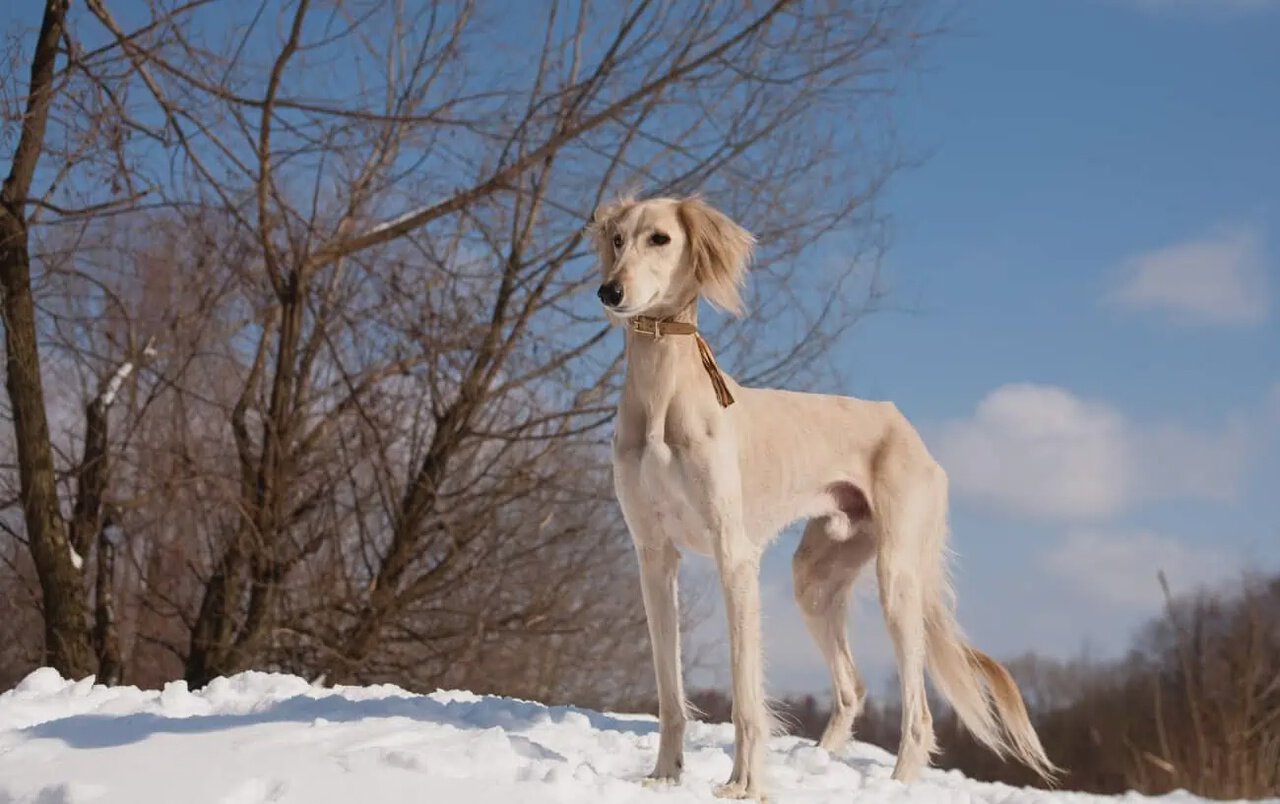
{"type": "Point", "coordinates": [720, 250]}
{"type": "Point", "coordinates": [599, 229]}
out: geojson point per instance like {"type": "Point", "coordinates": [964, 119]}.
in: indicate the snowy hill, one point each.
{"type": "Point", "coordinates": [259, 737]}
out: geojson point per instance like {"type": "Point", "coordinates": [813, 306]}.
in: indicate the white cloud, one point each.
{"type": "Point", "coordinates": [1217, 279]}
{"type": "Point", "coordinates": [1118, 567]}
{"type": "Point", "coordinates": [1042, 451]}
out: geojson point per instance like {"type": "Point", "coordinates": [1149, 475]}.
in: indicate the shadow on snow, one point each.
{"type": "Point", "coordinates": [106, 731]}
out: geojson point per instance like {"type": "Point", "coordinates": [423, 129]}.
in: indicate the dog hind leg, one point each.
{"type": "Point", "coordinates": [824, 568]}
{"type": "Point", "coordinates": [904, 509]}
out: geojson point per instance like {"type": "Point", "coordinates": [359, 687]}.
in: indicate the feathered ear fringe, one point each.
{"type": "Point", "coordinates": [720, 250]}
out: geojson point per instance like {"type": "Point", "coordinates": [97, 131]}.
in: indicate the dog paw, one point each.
{"type": "Point", "coordinates": [666, 772]}
{"type": "Point", "coordinates": [739, 791]}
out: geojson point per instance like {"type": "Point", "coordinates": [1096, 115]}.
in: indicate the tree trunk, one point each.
{"type": "Point", "coordinates": [212, 634]}
{"type": "Point", "coordinates": [68, 647]}
{"type": "Point", "coordinates": [106, 635]}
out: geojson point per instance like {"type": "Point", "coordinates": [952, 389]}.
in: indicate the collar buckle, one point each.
{"type": "Point", "coordinates": [647, 326]}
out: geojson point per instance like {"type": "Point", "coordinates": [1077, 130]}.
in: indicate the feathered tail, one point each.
{"type": "Point", "coordinates": [981, 690]}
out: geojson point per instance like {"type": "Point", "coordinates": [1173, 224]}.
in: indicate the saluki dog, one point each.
{"type": "Point", "coordinates": [703, 464]}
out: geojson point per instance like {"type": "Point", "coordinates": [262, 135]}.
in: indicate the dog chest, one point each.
{"type": "Point", "coordinates": [652, 486]}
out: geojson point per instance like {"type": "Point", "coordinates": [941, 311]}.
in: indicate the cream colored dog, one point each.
{"type": "Point", "coordinates": [703, 464]}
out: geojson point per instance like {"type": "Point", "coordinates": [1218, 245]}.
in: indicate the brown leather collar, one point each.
{"type": "Point", "coordinates": [657, 327]}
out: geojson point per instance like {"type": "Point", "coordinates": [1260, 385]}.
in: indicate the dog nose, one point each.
{"type": "Point", "coordinates": [610, 293]}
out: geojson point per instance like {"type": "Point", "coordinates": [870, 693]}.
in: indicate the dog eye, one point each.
{"type": "Point", "coordinates": [617, 241]}
{"type": "Point", "coordinates": [659, 239]}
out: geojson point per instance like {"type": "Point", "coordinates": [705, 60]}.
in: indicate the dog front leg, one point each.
{"type": "Point", "coordinates": [659, 569]}
{"type": "Point", "coordinates": [739, 566]}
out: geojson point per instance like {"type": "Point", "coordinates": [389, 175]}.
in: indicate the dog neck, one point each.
{"type": "Point", "coordinates": [661, 361]}
{"type": "Point", "coordinates": [665, 357]}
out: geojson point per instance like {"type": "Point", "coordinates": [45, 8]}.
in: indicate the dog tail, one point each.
{"type": "Point", "coordinates": [979, 688]}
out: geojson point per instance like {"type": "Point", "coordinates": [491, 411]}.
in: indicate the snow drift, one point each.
{"type": "Point", "coordinates": [261, 737]}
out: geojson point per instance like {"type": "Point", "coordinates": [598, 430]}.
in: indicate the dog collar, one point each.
{"type": "Point", "coordinates": [657, 327]}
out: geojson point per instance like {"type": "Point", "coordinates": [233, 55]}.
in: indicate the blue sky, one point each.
{"type": "Point", "coordinates": [1084, 273]}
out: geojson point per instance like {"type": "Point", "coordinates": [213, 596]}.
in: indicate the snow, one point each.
{"type": "Point", "coordinates": [261, 737]}
{"type": "Point", "coordinates": [396, 221]}
{"type": "Point", "coordinates": [117, 380]}
{"type": "Point", "coordinates": [122, 373]}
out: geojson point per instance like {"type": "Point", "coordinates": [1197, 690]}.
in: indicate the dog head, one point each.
{"type": "Point", "coordinates": [658, 255]}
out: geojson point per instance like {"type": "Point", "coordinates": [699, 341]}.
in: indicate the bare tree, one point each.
{"type": "Point", "coordinates": [370, 442]}
{"type": "Point", "coordinates": [67, 640]}
{"type": "Point", "coordinates": [60, 545]}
